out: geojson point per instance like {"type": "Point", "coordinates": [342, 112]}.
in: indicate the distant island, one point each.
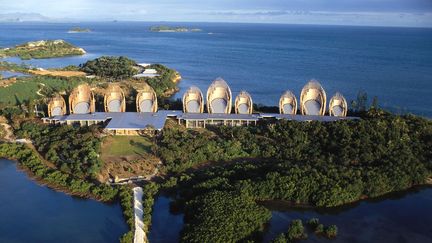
{"type": "Point", "coordinates": [42, 49]}
{"type": "Point", "coordinates": [164, 28]}
{"type": "Point", "coordinates": [79, 30]}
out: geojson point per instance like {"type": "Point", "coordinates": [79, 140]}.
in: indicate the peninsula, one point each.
{"type": "Point", "coordinates": [164, 28]}
{"type": "Point", "coordinates": [42, 49]}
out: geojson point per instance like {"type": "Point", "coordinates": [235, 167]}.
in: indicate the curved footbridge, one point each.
{"type": "Point", "coordinates": [136, 123]}
{"type": "Point", "coordinates": [140, 235]}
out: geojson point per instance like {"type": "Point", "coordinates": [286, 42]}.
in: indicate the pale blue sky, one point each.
{"type": "Point", "coordinates": [355, 12]}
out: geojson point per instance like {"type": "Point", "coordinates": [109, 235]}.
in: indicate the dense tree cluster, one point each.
{"type": "Point", "coordinates": [296, 231]}
{"type": "Point", "coordinates": [163, 84]}
{"type": "Point", "coordinates": [182, 149]}
{"type": "Point", "coordinates": [371, 141]}
{"type": "Point", "coordinates": [127, 203]}
{"type": "Point", "coordinates": [319, 229]}
{"type": "Point", "coordinates": [111, 67]}
{"type": "Point", "coordinates": [73, 150]}
{"type": "Point", "coordinates": [55, 178]}
{"type": "Point", "coordinates": [315, 163]}
{"type": "Point", "coordinates": [221, 216]}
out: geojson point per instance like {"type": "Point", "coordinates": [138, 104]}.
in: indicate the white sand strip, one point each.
{"type": "Point", "coordinates": [140, 236]}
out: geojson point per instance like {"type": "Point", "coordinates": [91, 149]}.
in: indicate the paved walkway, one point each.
{"type": "Point", "coordinates": [140, 235]}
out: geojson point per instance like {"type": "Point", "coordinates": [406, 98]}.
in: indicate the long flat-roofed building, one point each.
{"type": "Point", "coordinates": [114, 99]}
{"type": "Point", "coordinates": [201, 120]}
{"type": "Point", "coordinates": [57, 106]}
{"type": "Point", "coordinates": [146, 100]}
{"type": "Point", "coordinates": [313, 99]}
{"type": "Point", "coordinates": [243, 103]}
{"type": "Point", "coordinates": [219, 97]}
{"type": "Point", "coordinates": [118, 123]}
{"type": "Point", "coordinates": [81, 100]}
{"type": "Point", "coordinates": [288, 103]}
{"type": "Point", "coordinates": [193, 101]}
{"type": "Point", "coordinates": [338, 105]}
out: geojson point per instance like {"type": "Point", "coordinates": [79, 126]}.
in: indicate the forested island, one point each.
{"type": "Point", "coordinates": [79, 30]}
{"type": "Point", "coordinates": [42, 49]}
{"type": "Point", "coordinates": [164, 28]}
{"type": "Point", "coordinates": [221, 178]}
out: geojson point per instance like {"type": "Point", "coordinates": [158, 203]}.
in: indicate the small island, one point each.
{"type": "Point", "coordinates": [79, 30]}
{"type": "Point", "coordinates": [164, 28]}
{"type": "Point", "coordinates": [42, 49]}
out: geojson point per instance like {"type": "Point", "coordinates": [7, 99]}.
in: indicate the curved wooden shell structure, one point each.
{"type": "Point", "coordinates": [313, 99]}
{"type": "Point", "coordinates": [114, 99]}
{"type": "Point", "coordinates": [57, 106]}
{"type": "Point", "coordinates": [219, 97]}
{"type": "Point", "coordinates": [193, 101]}
{"type": "Point", "coordinates": [288, 103]}
{"type": "Point", "coordinates": [338, 105]}
{"type": "Point", "coordinates": [146, 100]}
{"type": "Point", "coordinates": [81, 100]}
{"type": "Point", "coordinates": [243, 103]}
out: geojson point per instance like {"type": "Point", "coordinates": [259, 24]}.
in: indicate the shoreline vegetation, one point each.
{"type": "Point", "coordinates": [42, 49]}
{"type": "Point", "coordinates": [165, 28]}
{"type": "Point", "coordinates": [55, 179]}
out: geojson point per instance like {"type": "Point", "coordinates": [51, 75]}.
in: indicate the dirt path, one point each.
{"type": "Point", "coordinates": [59, 73]}
{"type": "Point", "coordinates": [8, 132]}
{"type": "Point", "coordinates": [39, 90]}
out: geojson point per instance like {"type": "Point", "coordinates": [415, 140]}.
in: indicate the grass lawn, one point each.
{"type": "Point", "coordinates": [126, 145]}
{"type": "Point", "coordinates": [26, 89]}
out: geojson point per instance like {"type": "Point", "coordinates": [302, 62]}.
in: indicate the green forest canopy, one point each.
{"type": "Point", "coordinates": [316, 163]}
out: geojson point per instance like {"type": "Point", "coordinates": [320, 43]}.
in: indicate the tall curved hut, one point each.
{"type": "Point", "coordinates": [146, 100]}
{"type": "Point", "coordinates": [288, 103]}
{"type": "Point", "coordinates": [81, 100]}
{"type": "Point", "coordinates": [313, 99]}
{"type": "Point", "coordinates": [338, 105]}
{"type": "Point", "coordinates": [243, 103]}
{"type": "Point", "coordinates": [219, 97]}
{"type": "Point", "coordinates": [114, 99]}
{"type": "Point", "coordinates": [193, 101]}
{"type": "Point", "coordinates": [57, 106]}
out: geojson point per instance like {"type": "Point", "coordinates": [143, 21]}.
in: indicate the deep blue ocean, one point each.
{"type": "Point", "coordinates": [394, 64]}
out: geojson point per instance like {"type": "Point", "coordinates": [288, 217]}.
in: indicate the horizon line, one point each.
{"type": "Point", "coordinates": [71, 21]}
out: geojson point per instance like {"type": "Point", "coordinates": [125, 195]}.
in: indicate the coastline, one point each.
{"type": "Point", "coordinates": [42, 182]}
{"type": "Point", "coordinates": [53, 185]}
{"type": "Point", "coordinates": [283, 205]}
{"type": "Point", "coordinates": [176, 79]}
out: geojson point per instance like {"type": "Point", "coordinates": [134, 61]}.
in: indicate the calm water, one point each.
{"type": "Point", "coordinates": [394, 64]}
{"type": "Point", "coordinates": [402, 217]}
{"type": "Point", "coordinates": [33, 213]}
{"type": "Point", "coordinates": [9, 74]}
{"type": "Point", "coordinates": [166, 226]}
